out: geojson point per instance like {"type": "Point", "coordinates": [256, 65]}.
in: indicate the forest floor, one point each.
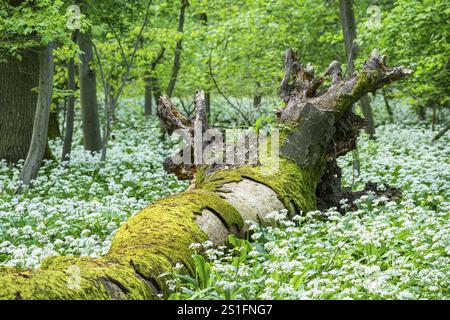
{"type": "Point", "coordinates": [385, 249]}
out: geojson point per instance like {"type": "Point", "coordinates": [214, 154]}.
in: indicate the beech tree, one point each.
{"type": "Point", "coordinates": [70, 113]}
{"type": "Point", "coordinates": [40, 126]}
{"type": "Point", "coordinates": [25, 29]}
{"type": "Point", "coordinates": [17, 104]}
{"type": "Point", "coordinates": [88, 94]}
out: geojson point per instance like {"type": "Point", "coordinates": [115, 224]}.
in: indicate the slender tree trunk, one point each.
{"type": "Point", "coordinates": [178, 50]}
{"type": "Point", "coordinates": [54, 132]}
{"type": "Point", "coordinates": [157, 95]}
{"type": "Point", "coordinates": [88, 95]}
{"type": "Point", "coordinates": [113, 106]}
{"type": "Point", "coordinates": [441, 133]}
{"type": "Point", "coordinates": [208, 104]}
{"type": "Point", "coordinates": [109, 107]}
{"type": "Point", "coordinates": [433, 118]}
{"type": "Point", "coordinates": [151, 83]}
{"type": "Point", "coordinates": [204, 20]}
{"type": "Point", "coordinates": [257, 99]}
{"type": "Point", "coordinates": [367, 112]}
{"type": "Point", "coordinates": [388, 106]}
{"type": "Point", "coordinates": [349, 30]}
{"type": "Point", "coordinates": [155, 88]}
{"type": "Point", "coordinates": [421, 112]}
{"type": "Point", "coordinates": [220, 199]}
{"type": "Point", "coordinates": [70, 114]}
{"type": "Point", "coordinates": [148, 96]}
{"type": "Point", "coordinates": [18, 101]}
{"type": "Point", "coordinates": [41, 119]}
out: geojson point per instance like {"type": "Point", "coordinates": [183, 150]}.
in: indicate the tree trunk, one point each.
{"type": "Point", "coordinates": [388, 106]}
{"type": "Point", "coordinates": [38, 144]}
{"type": "Point", "coordinates": [109, 107]}
{"type": "Point", "coordinates": [54, 132]}
{"type": "Point", "coordinates": [421, 112]}
{"type": "Point", "coordinates": [88, 95]}
{"type": "Point", "coordinates": [178, 49]}
{"type": "Point", "coordinates": [257, 99]}
{"type": "Point", "coordinates": [18, 101]}
{"type": "Point", "coordinates": [433, 118]}
{"type": "Point", "coordinates": [70, 116]}
{"type": "Point", "coordinates": [156, 94]}
{"type": "Point", "coordinates": [441, 133]}
{"type": "Point", "coordinates": [208, 104]}
{"type": "Point", "coordinates": [367, 112]}
{"type": "Point", "coordinates": [349, 30]}
{"type": "Point", "coordinates": [204, 20]}
{"type": "Point", "coordinates": [316, 128]}
{"type": "Point", "coordinates": [148, 97]}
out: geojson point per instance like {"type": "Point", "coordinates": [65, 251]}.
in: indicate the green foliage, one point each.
{"type": "Point", "coordinates": [31, 23]}
{"type": "Point", "coordinates": [202, 272]}
{"type": "Point", "coordinates": [242, 42]}
{"type": "Point", "coordinates": [416, 33]}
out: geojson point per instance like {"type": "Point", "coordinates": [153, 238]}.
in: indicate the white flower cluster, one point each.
{"type": "Point", "coordinates": [383, 250]}
{"type": "Point", "coordinates": [74, 209]}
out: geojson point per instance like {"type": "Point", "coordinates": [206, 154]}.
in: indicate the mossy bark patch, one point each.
{"type": "Point", "coordinates": [74, 278]}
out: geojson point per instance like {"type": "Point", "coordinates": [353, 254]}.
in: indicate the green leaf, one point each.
{"type": "Point", "coordinates": [203, 271]}
{"type": "Point", "coordinates": [297, 280]}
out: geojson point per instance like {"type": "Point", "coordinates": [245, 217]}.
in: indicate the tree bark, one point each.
{"type": "Point", "coordinates": [349, 30]}
{"type": "Point", "coordinates": [70, 116]}
{"type": "Point", "coordinates": [54, 132]}
{"type": "Point", "coordinates": [178, 49]}
{"type": "Point", "coordinates": [148, 97]}
{"type": "Point", "coordinates": [316, 128]}
{"type": "Point", "coordinates": [208, 104]}
{"type": "Point", "coordinates": [204, 20]}
{"type": "Point", "coordinates": [388, 106]}
{"type": "Point", "coordinates": [433, 118]}
{"type": "Point", "coordinates": [368, 115]}
{"type": "Point", "coordinates": [441, 133]}
{"type": "Point", "coordinates": [257, 99]}
{"type": "Point", "coordinates": [38, 144]}
{"type": "Point", "coordinates": [88, 95]}
{"type": "Point", "coordinates": [18, 101]}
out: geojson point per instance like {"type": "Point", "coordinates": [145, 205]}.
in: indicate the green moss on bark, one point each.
{"type": "Point", "coordinates": [74, 278]}
{"type": "Point", "coordinates": [160, 235]}
{"type": "Point", "coordinates": [290, 183]}
{"type": "Point", "coordinates": [157, 238]}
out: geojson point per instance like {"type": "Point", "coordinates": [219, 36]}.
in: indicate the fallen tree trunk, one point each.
{"type": "Point", "coordinates": [317, 127]}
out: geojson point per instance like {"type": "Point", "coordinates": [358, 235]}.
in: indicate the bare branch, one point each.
{"type": "Point", "coordinates": [133, 55]}
{"type": "Point", "coordinates": [290, 71]}
{"type": "Point", "coordinates": [334, 70]}
{"type": "Point", "coordinates": [344, 93]}
{"type": "Point", "coordinates": [171, 118]}
{"type": "Point", "coordinates": [244, 116]}
{"type": "Point", "coordinates": [441, 133]}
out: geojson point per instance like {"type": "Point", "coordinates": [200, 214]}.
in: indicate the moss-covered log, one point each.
{"type": "Point", "coordinates": [317, 127]}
